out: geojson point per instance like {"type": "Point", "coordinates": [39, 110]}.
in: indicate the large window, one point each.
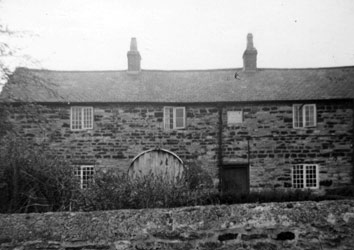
{"type": "Point", "coordinates": [305, 176]}
{"type": "Point", "coordinates": [304, 115]}
{"type": "Point", "coordinates": [81, 118]}
{"type": "Point", "coordinates": [85, 175]}
{"type": "Point", "coordinates": [174, 117]}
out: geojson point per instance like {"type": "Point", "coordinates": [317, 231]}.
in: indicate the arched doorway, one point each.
{"type": "Point", "coordinates": [157, 161]}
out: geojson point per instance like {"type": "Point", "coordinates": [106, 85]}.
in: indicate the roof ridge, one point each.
{"type": "Point", "coordinates": [309, 68]}
{"type": "Point", "coordinates": [178, 70]}
{"type": "Point", "coordinates": [67, 71]}
{"type": "Point", "coordinates": [146, 70]}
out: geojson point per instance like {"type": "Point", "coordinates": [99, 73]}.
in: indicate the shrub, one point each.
{"type": "Point", "coordinates": [111, 191]}
{"type": "Point", "coordinates": [149, 191]}
{"type": "Point", "coordinates": [32, 179]}
{"type": "Point", "coordinates": [197, 177]}
{"type": "Point", "coordinates": [264, 196]}
{"type": "Point", "coordinates": [347, 191]}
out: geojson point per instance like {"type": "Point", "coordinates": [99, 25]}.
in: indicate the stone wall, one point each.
{"type": "Point", "coordinates": [122, 131]}
{"type": "Point", "coordinates": [275, 146]}
{"type": "Point", "coordinates": [296, 225]}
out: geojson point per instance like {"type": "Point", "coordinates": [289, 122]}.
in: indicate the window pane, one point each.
{"type": "Point", "coordinates": [298, 117]}
{"type": "Point", "coordinates": [179, 112]}
{"type": "Point", "coordinates": [76, 118]}
{"type": "Point", "coordinates": [171, 118]}
{"type": "Point", "coordinates": [87, 119]}
{"type": "Point", "coordinates": [309, 115]}
{"type": "Point", "coordinates": [298, 178]}
{"type": "Point", "coordinates": [87, 176]}
{"type": "Point", "coordinates": [77, 172]}
{"type": "Point", "coordinates": [167, 117]}
{"type": "Point", "coordinates": [301, 118]}
{"type": "Point", "coordinates": [179, 117]}
{"type": "Point", "coordinates": [179, 122]}
{"type": "Point", "coordinates": [78, 176]}
{"type": "Point", "coordinates": [311, 178]}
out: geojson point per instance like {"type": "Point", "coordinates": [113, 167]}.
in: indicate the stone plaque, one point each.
{"type": "Point", "coordinates": [234, 117]}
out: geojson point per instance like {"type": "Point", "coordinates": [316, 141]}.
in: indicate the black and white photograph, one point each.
{"type": "Point", "coordinates": [177, 125]}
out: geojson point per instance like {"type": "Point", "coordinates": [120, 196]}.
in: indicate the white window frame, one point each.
{"type": "Point", "coordinates": [305, 166]}
{"type": "Point", "coordinates": [174, 110]}
{"type": "Point", "coordinates": [303, 110]}
{"type": "Point", "coordinates": [82, 110]}
{"type": "Point", "coordinates": [79, 173]}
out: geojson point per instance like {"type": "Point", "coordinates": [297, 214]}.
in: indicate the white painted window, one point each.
{"type": "Point", "coordinates": [81, 118]}
{"type": "Point", "coordinates": [234, 117]}
{"type": "Point", "coordinates": [85, 175]}
{"type": "Point", "coordinates": [305, 176]}
{"type": "Point", "coordinates": [174, 117]}
{"type": "Point", "coordinates": [304, 115]}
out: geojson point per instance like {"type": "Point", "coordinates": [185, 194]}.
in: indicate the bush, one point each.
{"type": "Point", "coordinates": [197, 177]}
{"type": "Point", "coordinates": [32, 179]}
{"type": "Point", "coordinates": [110, 191]}
{"type": "Point", "coordinates": [347, 191]}
{"type": "Point", "coordinates": [148, 191]}
{"type": "Point", "coordinates": [264, 196]}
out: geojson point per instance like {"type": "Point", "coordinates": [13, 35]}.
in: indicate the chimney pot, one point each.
{"type": "Point", "coordinates": [250, 41]}
{"type": "Point", "coordinates": [133, 44]}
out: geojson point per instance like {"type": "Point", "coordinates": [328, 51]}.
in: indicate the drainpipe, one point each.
{"type": "Point", "coordinates": [220, 143]}
{"type": "Point", "coordinates": [248, 151]}
{"type": "Point", "coordinates": [352, 142]}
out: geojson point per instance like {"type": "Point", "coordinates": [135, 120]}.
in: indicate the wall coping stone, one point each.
{"type": "Point", "coordinates": [325, 224]}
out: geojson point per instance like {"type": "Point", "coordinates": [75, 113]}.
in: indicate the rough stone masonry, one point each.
{"type": "Point", "coordinates": [294, 225]}
{"type": "Point", "coordinates": [123, 131]}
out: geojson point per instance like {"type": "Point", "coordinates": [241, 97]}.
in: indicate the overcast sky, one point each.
{"type": "Point", "coordinates": [182, 34]}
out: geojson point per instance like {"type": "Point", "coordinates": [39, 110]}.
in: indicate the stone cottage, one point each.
{"type": "Point", "coordinates": [247, 127]}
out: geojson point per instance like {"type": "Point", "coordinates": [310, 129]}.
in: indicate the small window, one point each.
{"type": "Point", "coordinates": [81, 118]}
{"type": "Point", "coordinates": [305, 176]}
{"type": "Point", "coordinates": [234, 117]}
{"type": "Point", "coordinates": [174, 117]}
{"type": "Point", "coordinates": [85, 175]}
{"type": "Point", "coordinates": [304, 115]}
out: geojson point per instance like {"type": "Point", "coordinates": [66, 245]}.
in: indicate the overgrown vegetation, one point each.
{"type": "Point", "coordinates": [34, 180]}
{"type": "Point", "coordinates": [120, 192]}
{"type": "Point", "coordinates": [110, 191]}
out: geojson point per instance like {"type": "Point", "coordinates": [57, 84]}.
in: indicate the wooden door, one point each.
{"type": "Point", "coordinates": [235, 178]}
{"type": "Point", "coordinates": [158, 162]}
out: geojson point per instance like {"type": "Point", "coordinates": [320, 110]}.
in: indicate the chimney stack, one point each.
{"type": "Point", "coordinates": [250, 55]}
{"type": "Point", "coordinates": [134, 57]}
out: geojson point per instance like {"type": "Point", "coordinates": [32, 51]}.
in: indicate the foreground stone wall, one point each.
{"type": "Point", "coordinates": [296, 225]}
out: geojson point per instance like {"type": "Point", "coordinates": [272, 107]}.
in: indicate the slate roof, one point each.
{"type": "Point", "coordinates": [185, 86]}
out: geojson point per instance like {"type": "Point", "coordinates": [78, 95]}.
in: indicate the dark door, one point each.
{"type": "Point", "coordinates": [235, 178]}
